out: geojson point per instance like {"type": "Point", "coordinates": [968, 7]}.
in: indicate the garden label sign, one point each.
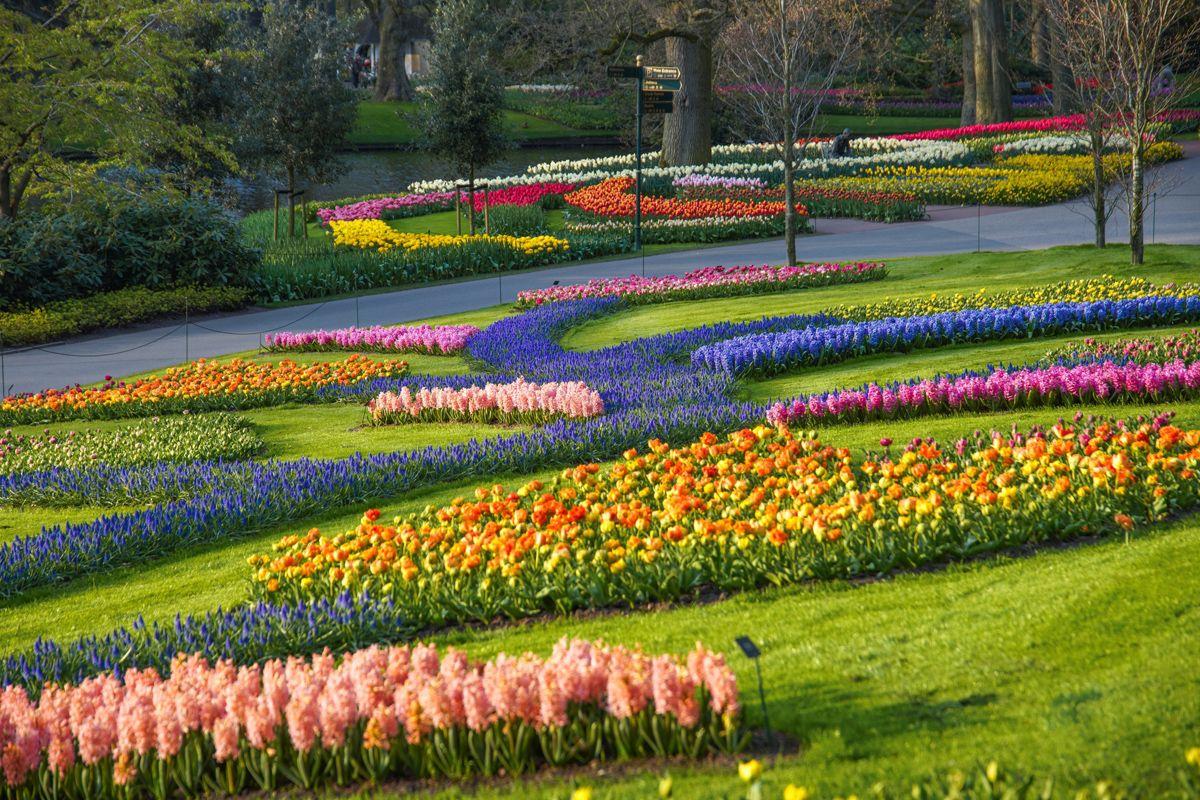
{"type": "Point", "coordinates": [656, 95]}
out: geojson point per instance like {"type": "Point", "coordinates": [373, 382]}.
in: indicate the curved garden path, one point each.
{"type": "Point", "coordinates": [949, 230]}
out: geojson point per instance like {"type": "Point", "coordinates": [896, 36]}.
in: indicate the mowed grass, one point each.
{"type": "Point", "coordinates": [1074, 663]}
{"type": "Point", "coordinates": [909, 277]}
{"type": "Point", "coordinates": [389, 123]}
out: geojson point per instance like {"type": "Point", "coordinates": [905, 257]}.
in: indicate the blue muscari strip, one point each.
{"type": "Point", "coordinates": [651, 390]}
{"type": "Point", "coordinates": [776, 351]}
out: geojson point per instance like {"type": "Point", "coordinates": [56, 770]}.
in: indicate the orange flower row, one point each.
{"type": "Point", "coordinates": [760, 506]}
{"type": "Point", "coordinates": [613, 198]}
{"type": "Point", "coordinates": [200, 385]}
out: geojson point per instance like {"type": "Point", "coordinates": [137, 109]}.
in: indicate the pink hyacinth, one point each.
{"type": "Point", "coordinates": [516, 400]}
{"type": "Point", "coordinates": [998, 389]}
{"type": "Point", "coordinates": [435, 339]}
{"type": "Point", "coordinates": [698, 279]}
{"type": "Point", "coordinates": [320, 702]}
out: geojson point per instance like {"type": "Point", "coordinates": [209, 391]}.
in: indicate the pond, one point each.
{"type": "Point", "coordinates": [379, 171]}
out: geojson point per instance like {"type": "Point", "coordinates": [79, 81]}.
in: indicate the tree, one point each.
{"type": "Point", "coordinates": [1122, 47]}
{"type": "Point", "coordinates": [397, 20]}
{"type": "Point", "coordinates": [93, 75]}
{"type": "Point", "coordinates": [461, 115]}
{"type": "Point", "coordinates": [302, 110]}
{"type": "Point", "coordinates": [787, 55]}
{"type": "Point", "coordinates": [989, 49]}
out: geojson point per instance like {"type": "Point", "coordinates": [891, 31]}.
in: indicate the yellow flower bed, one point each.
{"type": "Point", "coordinates": [375, 234]}
{"type": "Point", "coordinates": [1025, 180]}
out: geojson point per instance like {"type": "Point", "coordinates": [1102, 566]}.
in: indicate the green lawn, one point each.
{"type": "Point", "coordinates": [1073, 663]}
{"type": "Point", "coordinates": [385, 123]}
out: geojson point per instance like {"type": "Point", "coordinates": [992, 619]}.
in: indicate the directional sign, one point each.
{"type": "Point", "coordinates": [661, 73]}
{"type": "Point", "coordinates": [657, 97]}
{"type": "Point", "coordinates": [662, 85]}
{"type": "Point", "coordinates": [658, 107]}
{"type": "Point", "coordinates": [624, 72]}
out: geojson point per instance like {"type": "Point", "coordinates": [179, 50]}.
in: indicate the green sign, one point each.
{"type": "Point", "coordinates": [662, 85]}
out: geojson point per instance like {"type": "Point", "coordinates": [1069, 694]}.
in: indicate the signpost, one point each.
{"type": "Point", "coordinates": [656, 88]}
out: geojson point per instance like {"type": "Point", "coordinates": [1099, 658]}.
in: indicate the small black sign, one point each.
{"type": "Point", "coordinates": [748, 646]}
{"type": "Point", "coordinates": [657, 97]}
{"type": "Point", "coordinates": [624, 72]}
{"type": "Point", "coordinates": [658, 108]}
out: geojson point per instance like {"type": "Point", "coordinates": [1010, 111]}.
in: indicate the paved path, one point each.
{"type": "Point", "coordinates": [949, 230]}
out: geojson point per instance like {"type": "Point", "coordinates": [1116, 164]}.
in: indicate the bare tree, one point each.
{"type": "Point", "coordinates": [1121, 48]}
{"type": "Point", "coordinates": [788, 55]}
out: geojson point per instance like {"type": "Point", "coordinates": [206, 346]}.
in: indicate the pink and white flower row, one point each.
{"type": "Point", "coordinates": [436, 339]}
{"type": "Point", "coordinates": [521, 195]}
{"type": "Point", "coordinates": [707, 280]}
{"type": "Point", "coordinates": [374, 208]}
{"type": "Point", "coordinates": [371, 699]}
{"type": "Point", "coordinates": [996, 390]}
{"type": "Point", "coordinates": [514, 401]}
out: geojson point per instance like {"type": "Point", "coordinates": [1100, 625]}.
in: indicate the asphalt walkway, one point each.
{"type": "Point", "coordinates": [1175, 219]}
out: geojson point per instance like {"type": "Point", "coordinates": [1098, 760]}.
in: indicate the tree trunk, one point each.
{"type": "Point", "coordinates": [1040, 51]}
{"type": "Point", "coordinates": [981, 52]}
{"type": "Point", "coordinates": [1002, 97]}
{"type": "Point", "coordinates": [1098, 201]}
{"type": "Point", "coordinates": [7, 209]}
{"type": "Point", "coordinates": [471, 196]}
{"type": "Point", "coordinates": [687, 133]}
{"type": "Point", "coordinates": [967, 117]}
{"type": "Point", "coordinates": [291, 201]}
{"type": "Point", "coordinates": [12, 192]}
{"type": "Point", "coordinates": [1136, 201]}
{"type": "Point", "coordinates": [993, 90]}
{"type": "Point", "coordinates": [391, 79]}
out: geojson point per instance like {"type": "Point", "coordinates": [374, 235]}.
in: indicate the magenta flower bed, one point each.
{"type": "Point", "coordinates": [996, 390]}
{"type": "Point", "coordinates": [709, 282]}
{"type": "Point", "coordinates": [1070, 122]}
{"type": "Point", "coordinates": [374, 209]}
{"type": "Point", "coordinates": [375, 713]}
{"type": "Point", "coordinates": [434, 339]}
{"type": "Point", "coordinates": [430, 202]}
{"type": "Point", "coordinates": [518, 401]}
{"type": "Point", "coordinates": [522, 195]}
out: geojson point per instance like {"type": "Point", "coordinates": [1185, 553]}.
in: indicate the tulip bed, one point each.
{"type": "Point", "coordinates": [709, 282]}
{"type": "Point", "coordinates": [200, 385]}
{"type": "Point", "coordinates": [1183, 347]}
{"type": "Point", "coordinates": [762, 506]}
{"type": "Point", "coordinates": [376, 235]}
{"type": "Point", "coordinates": [212, 501]}
{"type": "Point", "coordinates": [376, 714]}
{"type": "Point", "coordinates": [171, 439]}
{"type": "Point", "coordinates": [706, 494]}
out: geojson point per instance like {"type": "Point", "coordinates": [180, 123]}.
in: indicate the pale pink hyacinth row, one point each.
{"type": "Point", "coordinates": [704, 279]}
{"type": "Point", "coordinates": [997, 390]}
{"type": "Point", "coordinates": [375, 697]}
{"type": "Point", "coordinates": [514, 401]}
{"type": "Point", "coordinates": [436, 339]}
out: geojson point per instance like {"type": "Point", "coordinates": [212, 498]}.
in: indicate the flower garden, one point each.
{"type": "Point", "coordinates": [568, 210]}
{"type": "Point", "coordinates": [210, 585]}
